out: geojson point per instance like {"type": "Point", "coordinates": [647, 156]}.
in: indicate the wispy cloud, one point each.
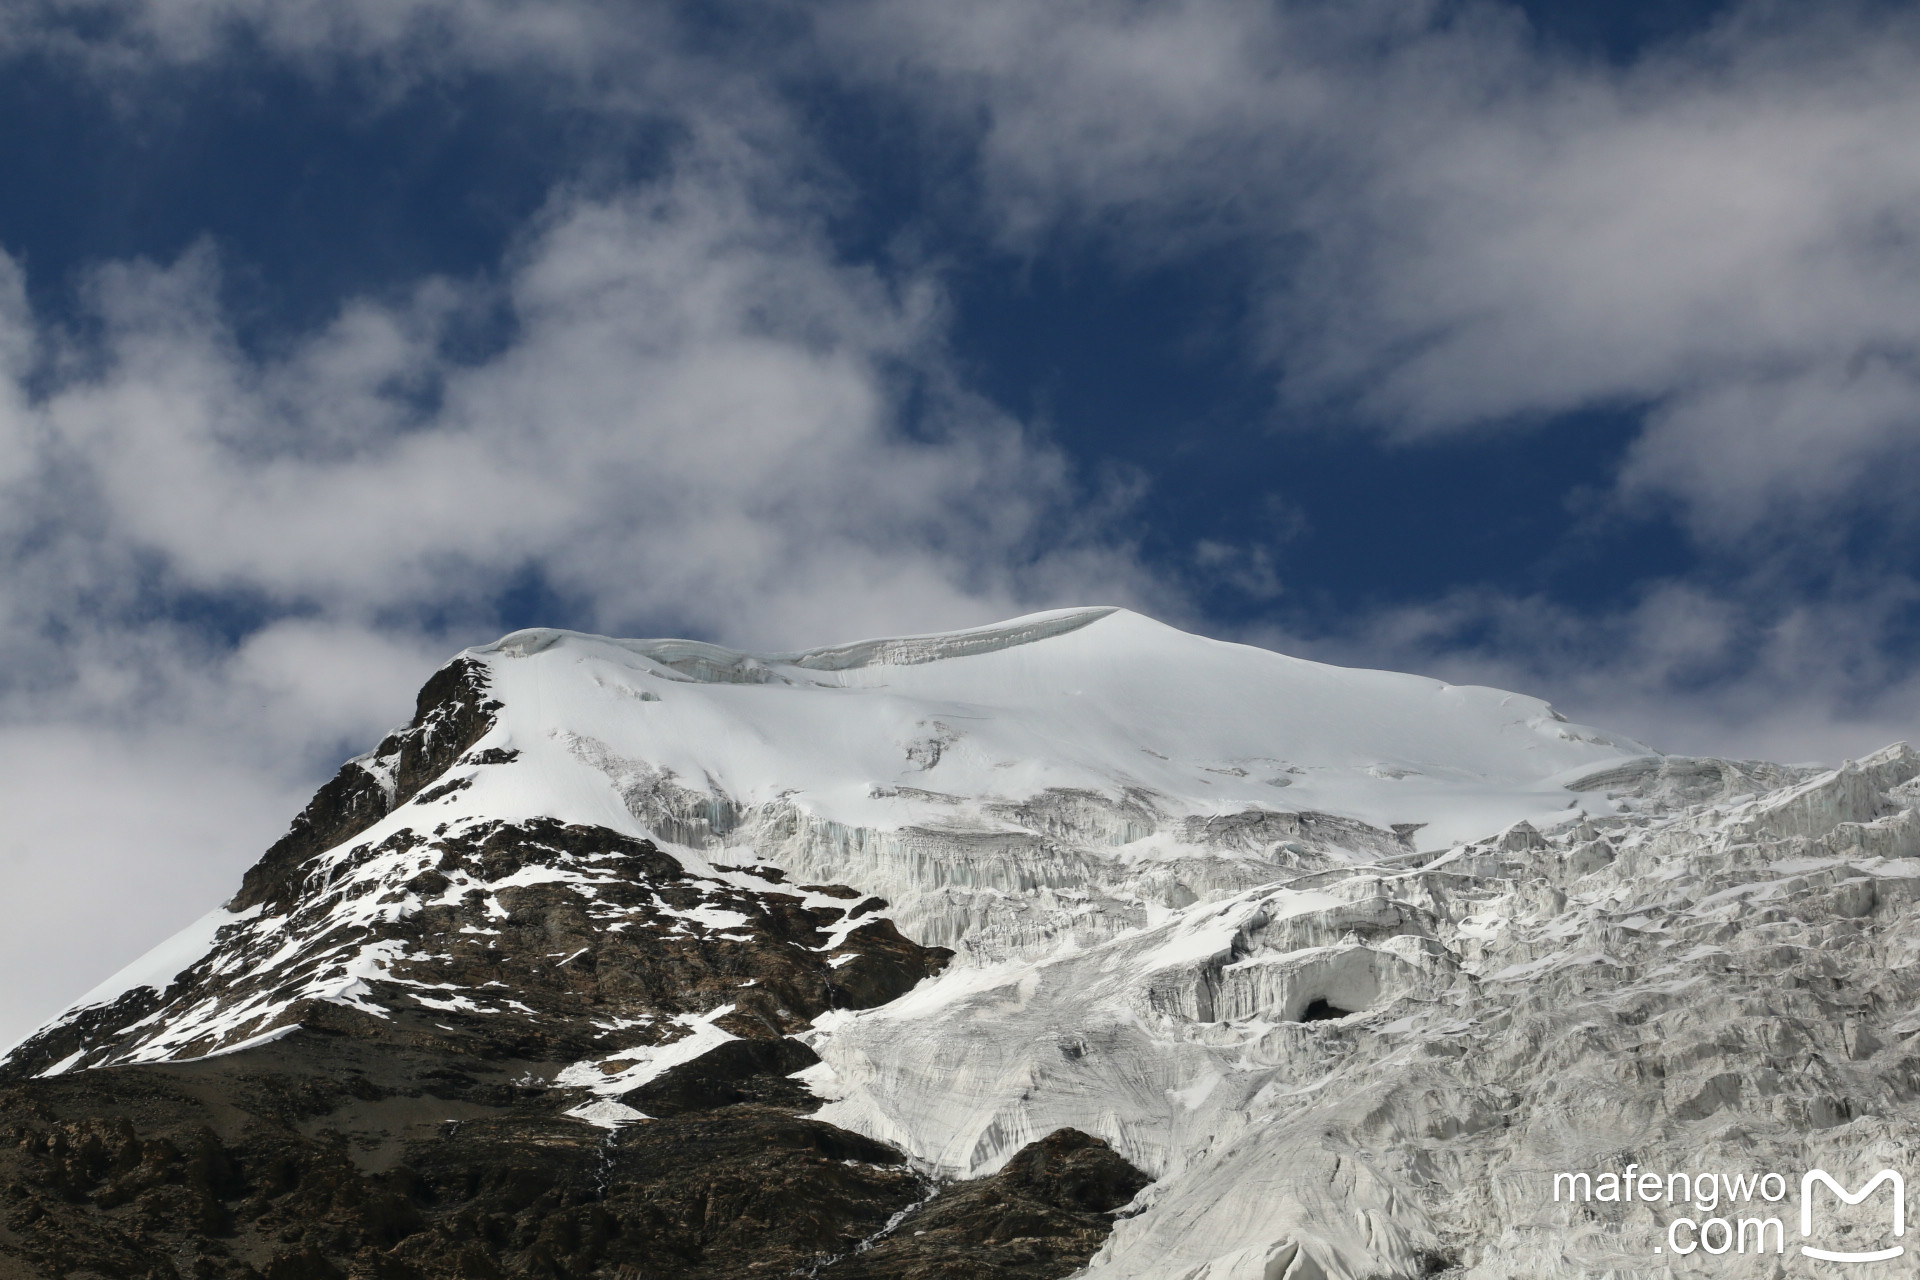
{"type": "Point", "coordinates": [1449, 227]}
{"type": "Point", "coordinates": [1686, 668]}
{"type": "Point", "coordinates": [1458, 227]}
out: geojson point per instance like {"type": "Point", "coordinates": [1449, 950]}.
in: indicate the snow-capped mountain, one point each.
{"type": "Point", "coordinates": [1347, 962]}
{"type": "Point", "coordinates": [1066, 776]}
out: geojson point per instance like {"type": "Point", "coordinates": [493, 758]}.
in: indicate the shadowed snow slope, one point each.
{"type": "Point", "coordinates": [1348, 961]}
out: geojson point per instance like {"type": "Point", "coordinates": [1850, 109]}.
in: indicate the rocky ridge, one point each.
{"type": "Point", "coordinates": [531, 939]}
{"type": "Point", "coordinates": [426, 1053]}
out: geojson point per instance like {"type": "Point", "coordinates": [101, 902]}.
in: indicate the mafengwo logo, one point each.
{"type": "Point", "coordinates": [1820, 1177]}
{"type": "Point", "coordinates": [1725, 1211]}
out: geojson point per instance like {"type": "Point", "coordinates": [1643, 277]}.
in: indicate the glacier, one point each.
{"type": "Point", "coordinates": [1350, 962]}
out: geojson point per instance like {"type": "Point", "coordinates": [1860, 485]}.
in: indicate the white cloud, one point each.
{"type": "Point", "coordinates": [1449, 224]}
{"type": "Point", "coordinates": [112, 840]}
{"type": "Point", "coordinates": [698, 416]}
{"type": "Point", "coordinates": [393, 36]}
{"type": "Point", "coordinates": [1753, 457]}
{"type": "Point", "coordinates": [1460, 227]}
{"type": "Point", "coordinates": [1450, 227]}
{"type": "Point", "coordinates": [1684, 668]}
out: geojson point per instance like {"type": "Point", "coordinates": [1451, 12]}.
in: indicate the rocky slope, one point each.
{"type": "Point", "coordinates": [1351, 964]}
{"type": "Point", "coordinates": [422, 1050]}
{"type": "Point", "coordinates": [332, 1157]}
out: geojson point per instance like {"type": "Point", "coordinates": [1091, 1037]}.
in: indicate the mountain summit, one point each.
{"type": "Point", "coordinates": [1066, 775]}
{"type": "Point", "coordinates": [922, 956]}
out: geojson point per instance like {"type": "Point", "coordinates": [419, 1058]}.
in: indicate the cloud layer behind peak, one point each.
{"type": "Point", "coordinates": [692, 417]}
{"type": "Point", "coordinates": [1405, 334]}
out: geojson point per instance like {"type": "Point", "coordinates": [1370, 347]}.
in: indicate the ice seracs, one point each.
{"type": "Point", "coordinates": [1722, 977]}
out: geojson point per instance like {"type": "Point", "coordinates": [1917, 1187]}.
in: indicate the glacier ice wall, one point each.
{"type": "Point", "coordinates": [1712, 980]}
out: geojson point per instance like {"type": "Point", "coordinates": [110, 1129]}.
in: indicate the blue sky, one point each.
{"type": "Point", "coordinates": [1563, 347]}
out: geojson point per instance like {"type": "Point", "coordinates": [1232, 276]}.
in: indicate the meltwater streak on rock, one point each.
{"type": "Point", "coordinates": [606, 879]}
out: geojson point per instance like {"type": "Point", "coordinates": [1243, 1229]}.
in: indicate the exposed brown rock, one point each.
{"type": "Point", "coordinates": [329, 1156]}
{"type": "Point", "coordinates": [739, 1071]}
{"type": "Point", "coordinates": [452, 713]}
{"type": "Point", "coordinates": [324, 1157]}
{"type": "Point", "coordinates": [1043, 1215]}
{"type": "Point", "coordinates": [538, 970]}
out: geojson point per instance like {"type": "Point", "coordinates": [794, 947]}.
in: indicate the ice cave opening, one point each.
{"type": "Point", "coordinates": [1322, 1010]}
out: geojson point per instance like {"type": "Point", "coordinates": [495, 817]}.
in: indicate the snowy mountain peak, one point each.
{"type": "Point", "coordinates": [715, 664]}
{"type": "Point", "coordinates": [1056, 779]}
{"type": "Point", "coordinates": [1098, 700]}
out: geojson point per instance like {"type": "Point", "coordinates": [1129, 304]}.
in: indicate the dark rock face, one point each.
{"type": "Point", "coordinates": [1045, 1214]}
{"type": "Point", "coordinates": [330, 1157]}
{"type": "Point", "coordinates": [452, 713]}
{"type": "Point", "coordinates": [735, 1072]}
{"type": "Point", "coordinates": [319, 1157]}
{"type": "Point", "coordinates": [532, 940]}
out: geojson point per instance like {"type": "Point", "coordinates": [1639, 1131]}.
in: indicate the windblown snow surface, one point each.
{"type": "Point", "coordinates": [1353, 963]}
